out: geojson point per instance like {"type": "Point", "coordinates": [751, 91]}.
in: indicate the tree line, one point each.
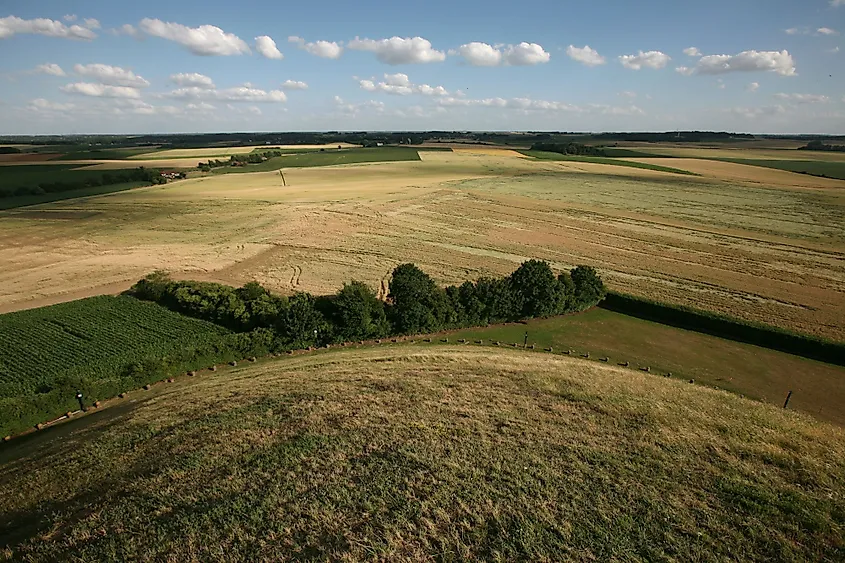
{"type": "Point", "coordinates": [239, 159]}
{"type": "Point", "coordinates": [574, 149]}
{"type": "Point", "coordinates": [820, 146]}
{"type": "Point", "coordinates": [141, 174]}
{"type": "Point", "coordinates": [414, 305]}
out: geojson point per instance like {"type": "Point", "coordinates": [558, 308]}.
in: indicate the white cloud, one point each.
{"type": "Point", "coordinates": [628, 94]}
{"type": "Point", "coordinates": [245, 93]}
{"type": "Point", "coordinates": [809, 31]}
{"type": "Point", "coordinates": [192, 79]}
{"type": "Point", "coordinates": [479, 54]}
{"type": "Point", "coordinates": [202, 40]}
{"type": "Point", "coordinates": [126, 29]}
{"type": "Point", "coordinates": [12, 25]}
{"type": "Point", "coordinates": [753, 87]}
{"type": "Point", "coordinates": [837, 3]}
{"type": "Point", "coordinates": [399, 50]}
{"type": "Point", "coordinates": [40, 104]}
{"type": "Point", "coordinates": [68, 18]}
{"type": "Point", "coordinates": [400, 85]}
{"type": "Point", "coordinates": [796, 31]}
{"type": "Point", "coordinates": [692, 52]}
{"type": "Point", "coordinates": [113, 75]}
{"type": "Point", "coordinates": [650, 59]}
{"type": "Point", "coordinates": [324, 49]}
{"type": "Point", "coordinates": [354, 109]}
{"type": "Point", "coordinates": [754, 113]}
{"type": "Point", "coordinates": [720, 84]}
{"type": "Point", "coordinates": [482, 54]}
{"type": "Point", "coordinates": [780, 62]}
{"type": "Point", "coordinates": [826, 31]}
{"type": "Point", "coordinates": [50, 68]}
{"type": "Point", "coordinates": [585, 55]}
{"type": "Point", "coordinates": [92, 23]}
{"type": "Point", "coordinates": [101, 90]}
{"type": "Point", "coordinates": [685, 70]}
{"type": "Point", "coordinates": [294, 85]}
{"type": "Point", "coordinates": [803, 98]}
{"type": "Point", "coordinates": [267, 47]}
{"type": "Point", "coordinates": [201, 107]}
{"type": "Point", "coordinates": [530, 105]}
{"type": "Point", "coordinates": [833, 51]}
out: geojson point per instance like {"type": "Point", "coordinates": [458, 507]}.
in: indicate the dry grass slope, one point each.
{"type": "Point", "coordinates": [451, 453]}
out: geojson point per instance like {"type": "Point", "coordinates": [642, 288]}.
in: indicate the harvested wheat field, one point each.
{"type": "Point", "coordinates": [220, 152]}
{"type": "Point", "coordinates": [765, 251]}
{"type": "Point", "coordinates": [397, 453]}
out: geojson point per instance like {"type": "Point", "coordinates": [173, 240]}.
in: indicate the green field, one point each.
{"type": "Point", "coordinates": [30, 175]}
{"type": "Point", "coordinates": [446, 453]}
{"type": "Point", "coordinates": [543, 155]}
{"type": "Point", "coordinates": [25, 200]}
{"type": "Point", "coordinates": [105, 154]}
{"type": "Point", "coordinates": [90, 344]}
{"type": "Point", "coordinates": [759, 373]}
{"type": "Point", "coordinates": [823, 168]}
{"type": "Point", "coordinates": [328, 158]}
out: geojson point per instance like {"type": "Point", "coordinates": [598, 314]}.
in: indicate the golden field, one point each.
{"type": "Point", "coordinates": [756, 243]}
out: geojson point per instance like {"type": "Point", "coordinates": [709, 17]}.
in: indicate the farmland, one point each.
{"type": "Point", "coordinates": [328, 158]}
{"type": "Point", "coordinates": [756, 243]}
{"type": "Point", "coordinates": [398, 453]}
{"type": "Point", "coordinates": [89, 345]}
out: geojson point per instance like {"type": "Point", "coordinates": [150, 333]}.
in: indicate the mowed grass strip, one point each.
{"type": "Point", "coordinates": [544, 155]}
{"type": "Point", "coordinates": [824, 169]}
{"type": "Point", "coordinates": [330, 157]}
{"type": "Point", "coordinates": [759, 373]}
{"type": "Point", "coordinates": [446, 453]}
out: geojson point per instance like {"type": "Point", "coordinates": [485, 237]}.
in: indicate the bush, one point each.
{"type": "Point", "coordinates": [536, 290]}
{"type": "Point", "coordinates": [357, 313]}
{"type": "Point", "coordinates": [418, 305]}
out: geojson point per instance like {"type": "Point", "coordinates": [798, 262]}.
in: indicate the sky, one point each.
{"type": "Point", "coordinates": [84, 67]}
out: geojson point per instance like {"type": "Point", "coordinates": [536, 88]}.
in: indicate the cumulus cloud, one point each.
{"type": "Point", "coordinates": [69, 18]}
{"type": "Point", "coordinates": [40, 104]}
{"type": "Point", "coordinates": [101, 90]}
{"type": "Point", "coordinates": [650, 59]}
{"type": "Point", "coordinates": [354, 109]}
{"type": "Point", "coordinates": [531, 105]}
{"type": "Point", "coordinates": [399, 50]}
{"type": "Point", "coordinates": [92, 23]}
{"type": "Point", "coordinates": [628, 94]}
{"type": "Point", "coordinates": [585, 55]}
{"type": "Point", "coordinates": [685, 70]}
{"type": "Point", "coordinates": [203, 40]}
{"type": "Point", "coordinates": [833, 51]}
{"type": "Point", "coordinates": [803, 98]}
{"type": "Point", "coordinates": [126, 29]}
{"type": "Point", "coordinates": [826, 31]}
{"type": "Point", "coordinates": [780, 62]}
{"type": "Point", "coordinates": [837, 3]}
{"type": "Point", "coordinates": [692, 52]}
{"type": "Point", "coordinates": [267, 48]}
{"type": "Point", "coordinates": [245, 93]}
{"type": "Point", "coordinates": [49, 68]}
{"type": "Point", "coordinates": [754, 86]}
{"type": "Point", "coordinates": [482, 54]}
{"type": "Point", "coordinates": [12, 25]}
{"type": "Point", "coordinates": [324, 49]}
{"type": "Point", "coordinates": [113, 75]}
{"type": "Point", "coordinates": [400, 85]}
{"type": "Point", "coordinates": [294, 85]}
{"type": "Point", "coordinates": [192, 79]}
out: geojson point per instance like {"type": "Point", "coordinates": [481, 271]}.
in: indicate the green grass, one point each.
{"type": "Point", "coordinates": [442, 453]}
{"type": "Point", "coordinates": [105, 154]}
{"type": "Point", "coordinates": [543, 155]}
{"type": "Point", "coordinates": [35, 174]}
{"type": "Point", "coordinates": [88, 343]}
{"type": "Point", "coordinates": [26, 200]}
{"type": "Point", "coordinates": [826, 169]}
{"type": "Point", "coordinates": [330, 157]}
{"type": "Point", "coordinates": [755, 372]}
{"type": "Point", "coordinates": [616, 152]}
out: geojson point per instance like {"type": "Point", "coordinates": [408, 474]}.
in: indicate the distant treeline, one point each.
{"type": "Point", "coordinates": [147, 175]}
{"type": "Point", "coordinates": [415, 304]}
{"type": "Point", "coordinates": [726, 327]}
{"type": "Point", "coordinates": [574, 149]}
{"type": "Point", "coordinates": [10, 150]}
{"type": "Point", "coordinates": [240, 159]}
{"type": "Point", "coordinates": [820, 146]}
{"type": "Point", "coordinates": [674, 137]}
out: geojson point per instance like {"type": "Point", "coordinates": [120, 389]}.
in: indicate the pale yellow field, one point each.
{"type": "Point", "coordinates": [740, 152]}
{"type": "Point", "coordinates": [226, 151]}
{"type": "Point", "coordinates": [753, 245]}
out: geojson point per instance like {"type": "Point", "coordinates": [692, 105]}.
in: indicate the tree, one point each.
{"type": "Point", "coordinates": [302, 325]}
{"type": "Point", "coordinates": [498, 299]}
{"type": "Point", "coordinates": [536, 290]}
{"type": "Point", "coordinates": [589, 288]}
{"type": "Point", "coordinates": [153, 287]}
{"type": "Point", "coordinates": [358, 314]}
{"type": "Point", "coordinates": [418, 304]}
{"type": "Point", "coordinates": [568, 286]}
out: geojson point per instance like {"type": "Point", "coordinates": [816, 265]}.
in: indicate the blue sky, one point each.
{"type": "Point", "coordinates": [767, 66]}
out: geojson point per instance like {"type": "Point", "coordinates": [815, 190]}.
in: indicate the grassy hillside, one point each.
{"type": "Point", "coordinates": [826, 169]}
{"type": "Point", "coordinates": [451, 453]}
{"type": "Point", "coordinates": [544, 155]}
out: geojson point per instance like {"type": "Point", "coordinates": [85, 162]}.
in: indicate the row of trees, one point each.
{"type": "Point", "coordinates": [141, 174]}
{"type": "Point", "coordinates": [820, 146]}
{"type": "Point", "coordinates": [414, 305]}
{"type": "Point", "coordinates": [240, 159]}
{"type": "Point", "coordinates": [574, 149]}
